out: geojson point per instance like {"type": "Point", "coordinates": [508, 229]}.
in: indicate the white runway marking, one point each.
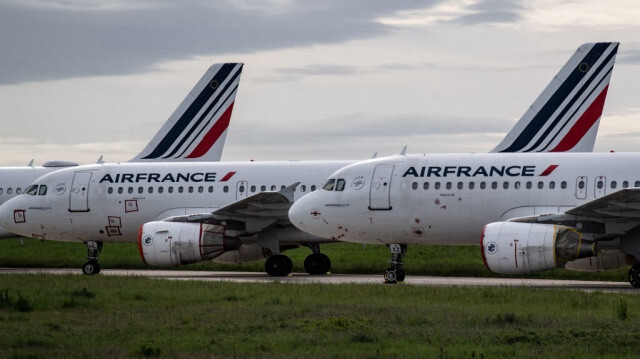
{"type": "Point", "coordinates": [300, 278]}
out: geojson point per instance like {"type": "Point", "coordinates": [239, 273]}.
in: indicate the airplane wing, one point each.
{"type": "Point", "coordinates": [621, 204]}
{"type": "Point", "coordinates": [253, 213]}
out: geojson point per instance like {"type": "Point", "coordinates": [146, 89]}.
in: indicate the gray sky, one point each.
{"type": "Point", "coordinates": [329, 79]}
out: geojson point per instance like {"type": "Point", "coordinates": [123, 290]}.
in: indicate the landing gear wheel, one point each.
{"type": "Point", "coordinates": [634, 275]}
{"type": "Point", "coordinates": [390, 276]}
{"type": "Point", "coordinates": [400, 275]}
{"type": "Point", "coordinates": [317, 263]}
{"type": "Point", "coordinates": [278, 265]}
{"type": "Point", "coordinates": [91, 268]}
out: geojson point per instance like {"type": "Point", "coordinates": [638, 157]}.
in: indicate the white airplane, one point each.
{"type": "Point", "coordinates": [184, 213]}
{"type": "Point", "coordinates": [195, 131]}
{"type": "Point", "coordinates": [530, 212]}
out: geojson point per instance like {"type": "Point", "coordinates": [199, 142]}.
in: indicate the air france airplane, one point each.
{"type": "Point", "coordinates": [529, 212]}
{"type": "Point", "coordinates": [195, 131]}
{"type": "Point", "coordinates": [226, 212]}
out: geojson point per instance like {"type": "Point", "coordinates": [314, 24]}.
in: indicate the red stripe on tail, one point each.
{"type": "Point", "coordinates": [582, 126]}
{"type": "Point", "coordinates": [213, 135]}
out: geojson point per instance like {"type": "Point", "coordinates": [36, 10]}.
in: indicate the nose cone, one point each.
{"type": "Point", "coordinates": [305, 216]}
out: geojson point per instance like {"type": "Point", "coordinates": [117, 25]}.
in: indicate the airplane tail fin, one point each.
{"type": "Point", "coordinates": [566, 115]}
{"type": "Point", "coordinates": [197, 129]}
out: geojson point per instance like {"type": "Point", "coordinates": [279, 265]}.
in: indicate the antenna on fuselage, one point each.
{"type": "Point", "coordinates": [30, 163]}
{"type": "Point", "coordinates": [100, 161]}
{"type": "Point", "coordinates": [404, 151]}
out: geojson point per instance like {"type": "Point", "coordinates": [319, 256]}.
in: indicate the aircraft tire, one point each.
{"type": "Point", "coordinates": [400, 275]}
{"type": "Point", "coordinates": [278, 265]}
{"type": "Point", "coordinates": [390, 276]}
{"type": "Point", "coordinates": [634, 275]}
{"type": "Point", "coordinates": [91, 268]}
{"type": "Point", "coordinates": [317, 263]}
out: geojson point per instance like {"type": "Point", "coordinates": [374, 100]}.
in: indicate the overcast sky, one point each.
{"type": "Point", "coordinates": [329, 79]}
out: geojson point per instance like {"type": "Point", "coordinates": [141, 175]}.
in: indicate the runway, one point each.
{"type": "Point", "coordinates": [303, 278]}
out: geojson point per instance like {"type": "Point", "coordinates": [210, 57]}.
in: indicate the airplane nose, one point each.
{"type": "Point", "coordinates": [295, 214]}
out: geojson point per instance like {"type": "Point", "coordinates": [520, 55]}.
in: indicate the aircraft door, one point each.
{"type": "Point", "coordinates": [581, 187]}
{"type": "Point", "coordinates": [601, 186]}
{"type": "Point", "coordinates": [79, 193]}
{"type": "Point", "coordinates": [379, 195]}
{"type": "Point", "coordinates": [242, 187]}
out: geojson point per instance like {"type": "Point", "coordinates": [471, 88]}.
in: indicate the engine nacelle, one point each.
{"type": "Point", "coordinates": [522, 248]}
{"type": "Point", "coordinates": [164, 243]}
{"type": "Point", "coordinates": [246, 253]}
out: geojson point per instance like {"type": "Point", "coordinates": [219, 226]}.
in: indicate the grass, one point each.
{"type": "Point", "coordinates": [142, 317]}
{"type": "Point", "coordinates": [461, 261]}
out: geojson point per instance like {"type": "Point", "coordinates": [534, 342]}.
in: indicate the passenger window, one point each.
{"type": "Point", "coordinates": [263, 188]}
{"type": "Point", "coordinates": [516, 185]}
{"type": "Point", "coordinates": [563, 184]}
{"type": "Point", "coordinates": [140, 190]}
{"type": "Point", "coordinates": [414, 185]}
{"type": "Point", "coordinates": [9, 191]}
{"type": "Point", "coordinates": [180, 189]}
{"type": "Point", "coordinates": [120, 190]}
{"type": "Point", "coordinates": [18, 190]}
{"type": "Point", "coordinates": [505, 185]}
{"type": "Point", "coordinates": [160, 189]}
{"type": "Point", "coordinates": [210, 189]}
{"type": "Point", "coordinates": [600, 184]}
{"type": "Point", "coordinates": [32, 190]}
{"type": "Point", "coordinates": [110, 190]}
{"type": "Point", "coordinates": [472, 185]}
{"type": "Point", "coordinates": [170, 189]}
{"type": "Point", "coordinates": [339, 185]}
{"type": "Point", "coordinates": [150, 189]}
{"type": "Point", "coordinates": [494, 185]}
{"type": "Point", "coordinates": [448, 185]}
{"type": "Point", "coordinates": [529, 185]}
{"type": "Point", "coordinates": [483, 185]}
{"type": "Point", "coordinates": [130, 190]}
{"type": "Point", "coordinates": [636, 184]}
{"type": "Point", "coordinates": [425, 186]}
{"type": "Point", "coordinates": [303, 188]}
{"type": "Point", "coordinates": [625, 184]}
{"type": "Point", "coordinates": [552, 185]}
{"type": "Point", "coordinates": [191, 189]}
{"type": "Point", "coordinates": [581, 184]}
{"type": "Point", "coordinates": [273, 188]}
{"type": "Point", "coordinates": [436, 185]}
{"type": "Point", "coordinates": [540, 185]}
{"type": "Point", "coordinates": [43, 190]}
{"type": "Point", "coordinates": [200, 189]}
{"type": "Point", "coordinates": [283, 187]}
{"type": "Point", "coordinates": [225, 189]}
{"type": "Point", "coordinates": [313, 188]}
{"type": "Point", "coordinates": [460, 185]}
{"type": "Point", "coordinates": [253, 189]}
{"type": "Point", "coordinates": [1, 190]}
{"type": "Point", "coordinates": [328, 186]}
{"type": "Point", "coordinates": [614, 184]}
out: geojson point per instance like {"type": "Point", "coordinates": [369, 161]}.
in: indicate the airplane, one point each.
{"type": "Point", "coordinates": [529, 212]}
{"type": "Point", "coordinates": [195, 131]}
{"type": "Point", "coordinates": [184, 213]}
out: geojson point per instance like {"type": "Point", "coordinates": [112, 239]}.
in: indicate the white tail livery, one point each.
{"type": "Point", "coordinates": [565, 117]}
{"type": "Point", "coordinates": [196, 131]}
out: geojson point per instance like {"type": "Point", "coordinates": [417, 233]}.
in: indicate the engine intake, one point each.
{"type": "Point", "coordinates": [176, 243]}
{"type": "Point", "coordinates": [523, 248]}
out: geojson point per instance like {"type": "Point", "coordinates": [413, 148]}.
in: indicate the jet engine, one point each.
{"type": "Point", "coordinates": [523, 248]}
{"type": "Point", "coordinates": [164, 243]}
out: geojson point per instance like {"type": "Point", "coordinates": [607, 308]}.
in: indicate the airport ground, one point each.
{"type": "Point", "coordinates": [71, 315]}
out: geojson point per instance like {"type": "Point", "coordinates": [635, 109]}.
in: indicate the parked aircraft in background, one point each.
{"type": "Point", "coordinates": [195, 131]}
{"type": "Point", "coordinates": [227, 212]}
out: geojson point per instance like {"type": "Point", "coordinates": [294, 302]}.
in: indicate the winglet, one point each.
{"type": "Point", "coordinates": [288, 191]}
{"type": "Point", "coordinates": [196, 131]}
{"type": "Point", "coordinates": [566, 115]}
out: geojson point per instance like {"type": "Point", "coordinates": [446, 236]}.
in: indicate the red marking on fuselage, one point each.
{"type": "Point", "coordinates": [548, 171]}
{"type": "Point", "coordinates": [227, 177]}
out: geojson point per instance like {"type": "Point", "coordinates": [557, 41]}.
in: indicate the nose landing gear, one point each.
{"type": "Point", "coordinates": [395, 273]}
{"type": "Point", "coordinates": [92, 267]}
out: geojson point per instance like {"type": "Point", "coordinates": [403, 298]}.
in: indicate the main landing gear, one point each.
{"type": "Point", "coordinates": [634, 275]}
{"type": "Point", "coordinates": [395, 273]}
{"type": "Point", "coordinates": [92, 266]}
{"type": "Point", "coordinates": [279, 265]}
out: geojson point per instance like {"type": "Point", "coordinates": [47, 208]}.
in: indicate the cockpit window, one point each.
{"type": "Point", "coordinates": [43, 190]}
{"type": "Point", "coordinates": [340, 185]}
{"type": "Point", "coordinates": [329, 185]}
{"type": "Point", "coordinates": [32, 190]}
